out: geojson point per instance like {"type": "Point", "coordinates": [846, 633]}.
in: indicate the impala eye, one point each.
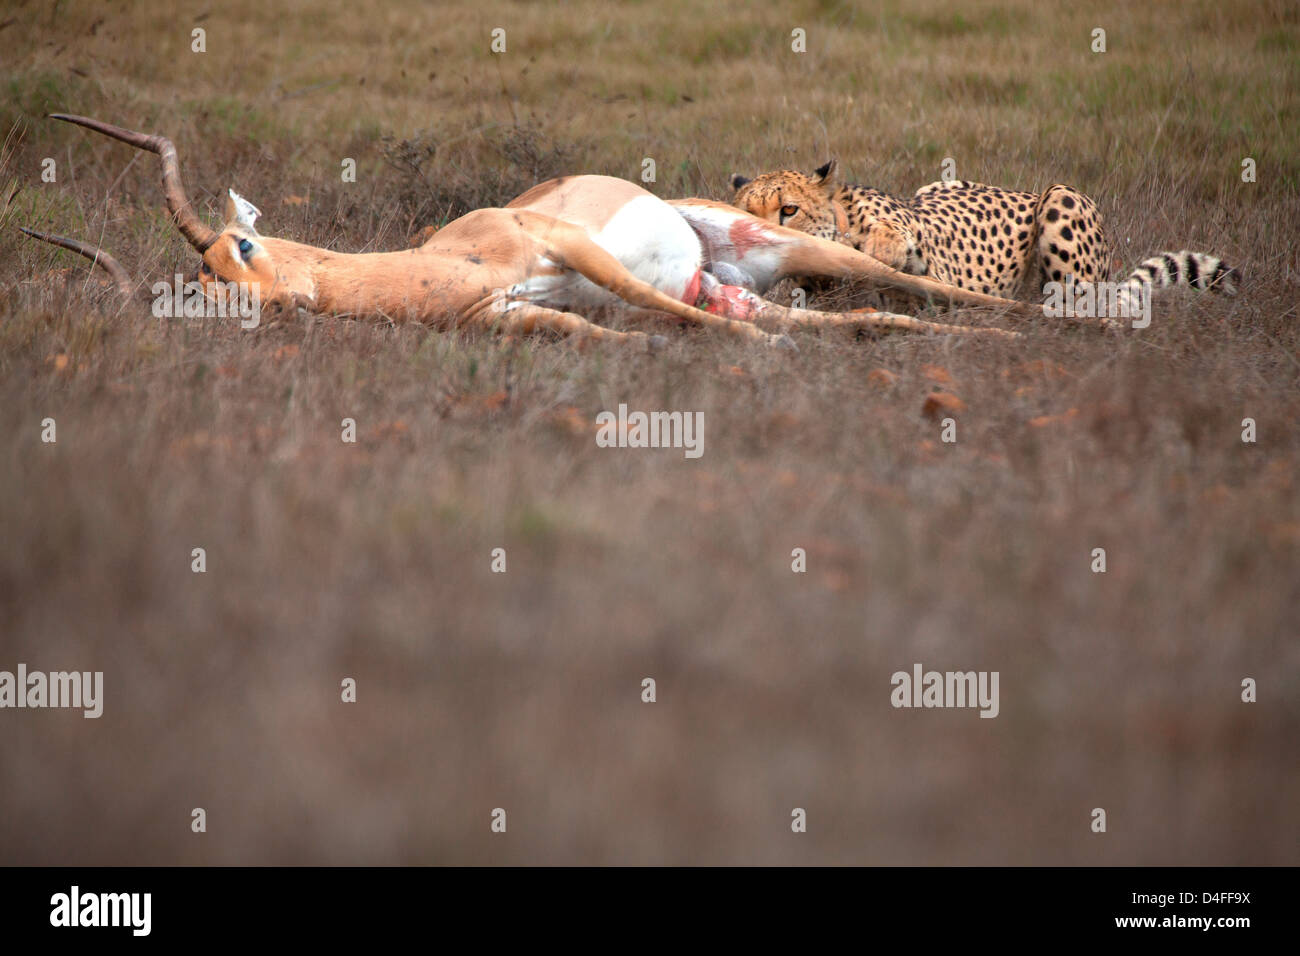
{"type": "Point", "coordinates": [788, 211]}
{"type": "Point", "coordinates": [205, 269]}
{"type": "Point", "coordinates": [245, 248]}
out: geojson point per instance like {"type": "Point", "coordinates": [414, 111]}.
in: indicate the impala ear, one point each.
{"type": "Point", "coordinates": [240, 211]}
{"type": "Point", "coordinates": [826, 174]}
{"type": "Point", "coordinates": [738, 180]}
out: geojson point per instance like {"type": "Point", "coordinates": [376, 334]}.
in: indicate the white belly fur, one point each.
{"type": "Point", "coordinates": [648, 237]}
{"type": "Point", "coordinates": [757, 266]}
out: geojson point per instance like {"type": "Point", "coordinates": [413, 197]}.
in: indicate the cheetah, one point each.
{"type": "Point", "coordinates": [982, 238]}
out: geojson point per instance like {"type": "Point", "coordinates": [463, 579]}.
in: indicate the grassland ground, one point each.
{"type": "Point", "coordinates": [523, 690]}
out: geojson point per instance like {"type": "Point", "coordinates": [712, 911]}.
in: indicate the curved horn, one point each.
{"type": "Point", "coordinates": [96, 256]}
{"type": "Point", "coordinates": [198, 235]}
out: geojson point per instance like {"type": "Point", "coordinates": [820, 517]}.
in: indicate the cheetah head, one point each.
{"type": "Point", "coordinates": [794, 199]}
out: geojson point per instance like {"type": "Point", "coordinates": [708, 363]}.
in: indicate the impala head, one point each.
{"type": "Point", "coordinates": [793, 199]}
{"type": "Point", "coordinates": [238, 253]}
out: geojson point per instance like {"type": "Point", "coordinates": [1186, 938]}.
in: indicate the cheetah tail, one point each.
{"type": "Point", "coordinates": [1199, 270]}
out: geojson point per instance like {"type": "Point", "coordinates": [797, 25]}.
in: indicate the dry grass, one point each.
{"type": "Point", "coordinates": [522, 690]}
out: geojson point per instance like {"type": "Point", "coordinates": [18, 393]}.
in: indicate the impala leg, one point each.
{"type": "Point", "coordinates": [812, 256]}
{"type": "Point", "coordinates": [867, 321]}
{"type": "Point", "coordinates": [769, 252]}
{"type": "Point", "coordinates": [572, 247]}
{"type": "Point", "coordinates": [740, 303]}
{"type": "Point", "coordinates": [525, 318]}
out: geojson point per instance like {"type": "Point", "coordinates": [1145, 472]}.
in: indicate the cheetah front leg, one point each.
{"type": "Point", "coordinates": [893, 244]}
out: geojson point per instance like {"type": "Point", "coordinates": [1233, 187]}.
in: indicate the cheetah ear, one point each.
{"type": "Point", "coordinates": [738, 180]}
{"type": "Point", "coordinates": [826, 174]}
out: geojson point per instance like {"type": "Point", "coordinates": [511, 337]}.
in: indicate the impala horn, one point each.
{"type": "Point", "coordinates": [97, 257]}
{"type": "Point", "coordinates": [198, 235]}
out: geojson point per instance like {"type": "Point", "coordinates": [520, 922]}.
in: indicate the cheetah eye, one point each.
{"type": "Point", "coordinates": [788, 211]}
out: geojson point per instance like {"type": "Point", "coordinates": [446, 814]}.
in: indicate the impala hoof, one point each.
{"type": "Point", "coordinates": [656, 343]}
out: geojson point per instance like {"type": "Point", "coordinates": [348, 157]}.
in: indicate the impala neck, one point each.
{"type": "Point", "coordinates": [343, 282]}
